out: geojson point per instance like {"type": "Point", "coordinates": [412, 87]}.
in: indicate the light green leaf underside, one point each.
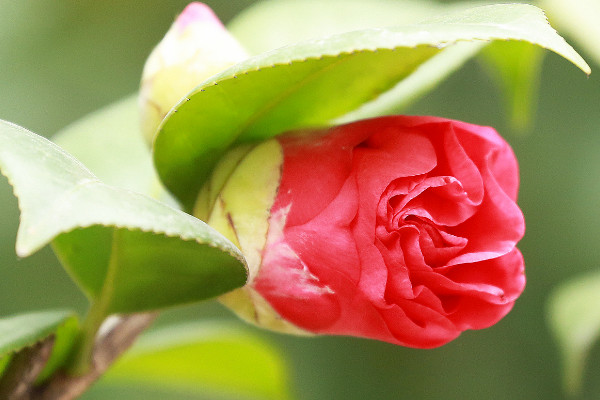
{"type": "Point", "coordinates": [424, 79]}
{"type": "Point", "coordinates": [271, 24]}
{"type": "Point", "coordinates": [204, 358]}
{"type": "Point", "coordinates": [313, 82]}
{"type": "Point", "coordinates": [24, 330]}
{"type": "Point", "coordinates": [579, 20]}
{"type": "Point", "coordinates": [574, 317]}
{"type": "Point", "coordinates": [516, 68]}
{"type": "Point", "coordinates": [150, 246]}
{"type": "Point", "coordinates": [109, 143]}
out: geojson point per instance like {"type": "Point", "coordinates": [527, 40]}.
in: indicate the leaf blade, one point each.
{"type": "Point", "coordinates": [59, 199]}
{"type": "Point", "coordinates": [108, 141]}
{"type": "Point", "coordinates": [268, 25]}
{"type": "Point", "coordinates": [578, 19]}
{"type": "Point", "coordinates": [24, 330]}
{"type": "Point", "coordinates": [313, 82]}
{"type": "Point", "coordinates": [201, 357]}
{"type": "Point", "coordinates": [516, 67]}
{"type": "Point", "coordinates": [574, 318]}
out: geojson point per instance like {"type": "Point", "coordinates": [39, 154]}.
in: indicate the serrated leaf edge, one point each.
{"type": "Point", "coordinates": [24, 252]}
{"type": "Point", "coordinates": [69, 315]}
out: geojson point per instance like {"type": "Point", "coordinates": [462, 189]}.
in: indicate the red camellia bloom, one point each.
{"type": "Point", "coordinates": [398, 228]}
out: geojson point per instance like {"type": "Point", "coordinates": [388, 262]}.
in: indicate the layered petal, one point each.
{"type": "Point", "coordinates": [401, 229]}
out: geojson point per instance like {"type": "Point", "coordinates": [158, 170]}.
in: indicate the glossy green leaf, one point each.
{"type": "Point", "coordinates": [24, 330]}
{"type": "Point", "coordinates": [574, 316]}
{"type": "Point", "coordinates": [204, 358]}
{"type": "Point", "coordinates": [127, 251]}
{"type": "Point", "coordinates": [578, 19]}
{"type": "Point", "coordinates": [109, 143]}
{"type": "Point", "coordinates": [313, 82]}
{"type": "Point", "coordinates": [268, 25]}
{"type": "Point", "coordinates": [516, 67]}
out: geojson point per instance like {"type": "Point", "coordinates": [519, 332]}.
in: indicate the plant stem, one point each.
{"type": "Point", "coordinates": [109, 345]}
{"type": "Point", "coordinates": [22, 371]}
{"type": "Point", "coordinates": [100, 342]}
{"type": "Point", "coordinates": [81, 357]}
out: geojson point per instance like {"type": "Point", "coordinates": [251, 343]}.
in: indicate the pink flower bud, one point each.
{"type": "Point", "coordinates": [196, 47]}
{"type": "Point", "coordinates": [401, 229]}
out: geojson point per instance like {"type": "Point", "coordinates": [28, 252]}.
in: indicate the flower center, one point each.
{"type": "Point", "coordinates": [418, 221]}
{"type": "Point", "coordinates": [437, 246]}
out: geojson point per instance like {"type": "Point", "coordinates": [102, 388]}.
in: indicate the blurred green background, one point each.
{"type": "Point", "coordinates": [60, 60]}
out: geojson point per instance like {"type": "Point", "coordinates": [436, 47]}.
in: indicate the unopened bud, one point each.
{"type": "Point", "coordinates": [196, 47]}
{"type": "Point", "coordinates": [399, 228]}
{"type": "Point", "coordinates": [237, 201]}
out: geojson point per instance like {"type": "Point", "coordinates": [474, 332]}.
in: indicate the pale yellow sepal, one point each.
{"type": "Point", "coordinates": [241, 209]}
{"type": "Point", "coordinates": [246, 182]}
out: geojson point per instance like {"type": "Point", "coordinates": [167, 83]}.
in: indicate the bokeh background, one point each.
{"type": "Point", "coordinates": [60, 60]}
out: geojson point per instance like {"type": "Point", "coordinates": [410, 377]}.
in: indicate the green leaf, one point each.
{"type": "Point", "coordinates": [313, 82]}
{"type": "Point", "coordinates": [429, 74]}
{"type": "Point", "coordinates": [201, 358]}
{"type": "Point", "coordinates": [268, 25]}
{"type": "Point", "coordinates": [24, 330]}
{"type": "Point", "coordinates": [579, 20]}
{"type": "Point", "coordinates": [255, 28]}
{"type": "Point", "coordinates": [66, 335]}
{"type": "Point", "coordinates": [4, 361]}
{"type": "Point", "coordinates": [109, 143]}
{"type": "Point", "coordinates": [516, 67]}
{"type": "Point", "coordinates": [127, 251]}
{"type": "Point", "coordinates": [574, 316]}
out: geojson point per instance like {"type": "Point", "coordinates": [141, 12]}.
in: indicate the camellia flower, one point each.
{"type": "Point", "coordinates": [196, 47]}
{"type": "Point", "coordinates": [401, 229]}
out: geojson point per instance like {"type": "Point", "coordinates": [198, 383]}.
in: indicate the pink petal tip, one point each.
{"type": "Point", "coordinates": [195, 13]}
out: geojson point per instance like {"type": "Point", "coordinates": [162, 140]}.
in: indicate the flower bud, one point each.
{"type": "Point", "coordinates": [237, 201]}
{"type": "Point", "coordinates": [196, 47]}
{"type": "Point", "coordinates": [401, 229]}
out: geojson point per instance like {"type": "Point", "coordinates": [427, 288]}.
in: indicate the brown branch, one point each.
{"type": "Point", "coordinates": [111, 342]}
{"type": "Point", "coordinates": [19, 378]}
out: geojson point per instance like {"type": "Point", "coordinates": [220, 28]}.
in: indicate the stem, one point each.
{"type": "Point", "coordinates": [81, 357]}
{"type": "Point", "coordinates": [22, 371]}
{"type": "Point", "coordinates": [109, 345]}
